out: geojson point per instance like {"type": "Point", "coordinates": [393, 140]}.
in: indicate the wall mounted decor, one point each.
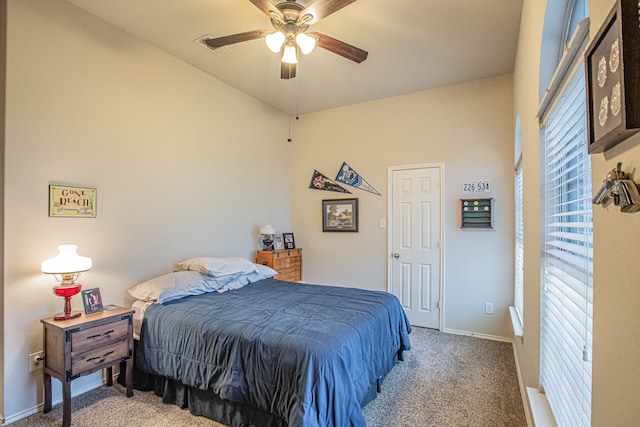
{"type": "Point", "coordinates": [347, 175]}
{"type": "Point", "coordinates": [476, 213]}
{"type": "Point", "coordinates": [340, 215]}
{"type": "Point", "coordinates": [612, 67]}
{"type": "Point", "coordinates": [72, 202]}
{"type": "Point", "coordinates": [476, 186]}
{"type": "Point", "coordinates": [321, 182]}
{"type": "Point", "coordinates": [618, 187]}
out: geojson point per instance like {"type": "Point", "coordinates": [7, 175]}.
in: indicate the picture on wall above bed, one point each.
{"type": "Point", "coordinates": [340, 215]}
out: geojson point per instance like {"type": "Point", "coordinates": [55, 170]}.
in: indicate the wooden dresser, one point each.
{"type": "Point", "coordinates": [287, 262]}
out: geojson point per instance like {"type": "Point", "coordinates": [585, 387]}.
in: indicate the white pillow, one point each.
{"type": "Point", "coordinates": [217, 267]}
{"type": "Point", "coordinates": [151, 289]}
{"type": "Point", "coordinates": [263, 272]}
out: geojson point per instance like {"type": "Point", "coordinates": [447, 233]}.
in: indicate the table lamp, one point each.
{"type": "Point", "coordinates": [267, 233]}
{"type": "Point", "coordinates": [66, 267]}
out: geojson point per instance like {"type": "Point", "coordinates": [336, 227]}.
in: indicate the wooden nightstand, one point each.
{"type": "Point", "coordinates": [77, 347]}
{"type": "Point", "coordinates": [287, 262]}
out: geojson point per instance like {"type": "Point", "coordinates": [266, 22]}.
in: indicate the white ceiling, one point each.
{"type": "Point", "coordinates": [413, 45]}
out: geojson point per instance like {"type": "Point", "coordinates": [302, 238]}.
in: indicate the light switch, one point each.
{"type": "Point", "coordinates": [383, 223]}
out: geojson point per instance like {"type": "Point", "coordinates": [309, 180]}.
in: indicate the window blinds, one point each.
{"type": "Point", "coordinates": [567, 283]}
{"type": "Point", "coordinates": [519, 256]}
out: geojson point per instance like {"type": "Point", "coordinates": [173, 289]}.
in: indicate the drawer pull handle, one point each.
{"type": "Point", "coordinates": [91, 359]}
{"type": "Point", "coordinates": [90, 337]}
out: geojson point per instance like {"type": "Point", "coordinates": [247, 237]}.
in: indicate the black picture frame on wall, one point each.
{"type": "Point", "coordinates": [612, 71]}
{"type": "Point", "coordinates": [340, 215]}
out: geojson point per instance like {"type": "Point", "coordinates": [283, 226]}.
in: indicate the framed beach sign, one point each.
{"type": "Point", "coordinates": [72, 202]}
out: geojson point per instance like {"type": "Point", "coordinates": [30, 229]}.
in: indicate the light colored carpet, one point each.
{"type": "Point", "coordinates": [445, 380]}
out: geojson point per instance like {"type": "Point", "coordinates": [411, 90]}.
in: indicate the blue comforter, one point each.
{"type": "Point", "coordinates": [309, 354]}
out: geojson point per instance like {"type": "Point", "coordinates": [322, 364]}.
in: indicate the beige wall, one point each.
{"type": "Point", "coordinates": [616, 341]}
{"type": "Point", "coordinates": [470, 128]}
{"type": "Point", "coordinates": [3, 55]}
{"type": "Point", "coordinates": [616, 294]}
{"type": "Point", "coordinates": [180, 162]}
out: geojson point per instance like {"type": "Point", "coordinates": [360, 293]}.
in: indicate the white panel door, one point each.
{"type": "Point", "coordinates": [415, 243]}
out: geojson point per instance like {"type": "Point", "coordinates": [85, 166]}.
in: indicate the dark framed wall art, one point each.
{"type": "Point", "coordinates": [340, 215]}
{"type": "Point", "coordinates": [612, 68]}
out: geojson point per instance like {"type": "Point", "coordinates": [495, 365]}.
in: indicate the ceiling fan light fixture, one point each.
{"type": "Point", "coordinates": [275, 41]}
{"type": "Point", "coordinates": [289, 55]}
{"type": "Point", "coordinates": [305, 42]}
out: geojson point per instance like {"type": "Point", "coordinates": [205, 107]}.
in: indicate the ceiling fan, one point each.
{"type": "Point", "coordinates": [291, 22]}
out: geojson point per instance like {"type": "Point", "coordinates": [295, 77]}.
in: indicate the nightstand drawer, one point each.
{"type": "Point", "coordinates": [292, 262]}
{"type": "Point", "coordinates": [90, 337]}
{"type": "Point", "coordinates": [99, 357]}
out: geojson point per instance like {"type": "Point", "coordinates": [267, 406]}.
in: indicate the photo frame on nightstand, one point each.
{"type": "Point", "coordinates": [277, 243]}
{"type": "Point", "coordinates": [92, 301]}
{"type": "Point", "coordinates": [289, 242]}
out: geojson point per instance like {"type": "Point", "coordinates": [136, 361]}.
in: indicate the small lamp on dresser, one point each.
{"type": "Point", "coordinates": [267, 233]}
{"type": "Point", "coordinates": [66, 267]}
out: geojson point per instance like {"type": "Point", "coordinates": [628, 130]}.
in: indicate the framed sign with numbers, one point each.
{"type": "Point", "coordinates": [476, 186]}
{"type": "Point", "coordinates": [612, 69]}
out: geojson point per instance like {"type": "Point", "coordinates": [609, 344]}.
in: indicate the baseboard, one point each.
{"type": "Point", "coordinates": [38, 408]}
{"type": "Point", "coordinates": [477, 335]}
{"type": "Point", "coordinates": [523, 391]}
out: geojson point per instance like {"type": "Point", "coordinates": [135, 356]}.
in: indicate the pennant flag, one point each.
{"type": "Point", "coordinates": [348, 176]}
{"type": "Point", "coordinates": [321, 182]}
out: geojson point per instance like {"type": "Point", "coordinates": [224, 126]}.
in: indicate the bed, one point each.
{"type": "Point", "coordinates": [272, 353]}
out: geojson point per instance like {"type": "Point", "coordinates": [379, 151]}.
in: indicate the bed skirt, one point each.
{"type": "Point", "coordinates": [208, 404]}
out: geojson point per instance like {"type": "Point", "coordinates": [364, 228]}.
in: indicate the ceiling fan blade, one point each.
{"type": "Point", "coordinates": [287, 71]}
{"type": "Point", "coordinates": [266, 7]}
{"type": "Point", "coordinates": [323, 8]}
{"type": "Point", "coordinates": [235, 38]}
{"type": "Point", "coordinates": [339, 47]}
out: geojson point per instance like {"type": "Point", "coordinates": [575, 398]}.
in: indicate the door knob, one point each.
{"type": "Point", "coordinates": [396, 255]}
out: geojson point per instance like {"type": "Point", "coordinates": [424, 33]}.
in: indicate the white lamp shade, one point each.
{"type": "Point", "coordinates": [67, 261]}
{"type": "Point", "coordinates": [305, 42]}
{"type": "Point", "coordinates": [267, 230]}
{"type": "Point", "coordinates": [275, 40]}
{"type": "Point", "coordinates": [289, 55]}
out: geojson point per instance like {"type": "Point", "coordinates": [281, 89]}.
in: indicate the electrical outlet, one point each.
{"type": "Point", "coordinates": [488, 307]}
{"type": "Point", "coordinates": [36, 361]}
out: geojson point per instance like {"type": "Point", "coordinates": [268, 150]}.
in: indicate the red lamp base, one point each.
{"type": "Point", "coordinates": [67, 291]}
{"type": "Point", "coordinates": [64, 316]}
